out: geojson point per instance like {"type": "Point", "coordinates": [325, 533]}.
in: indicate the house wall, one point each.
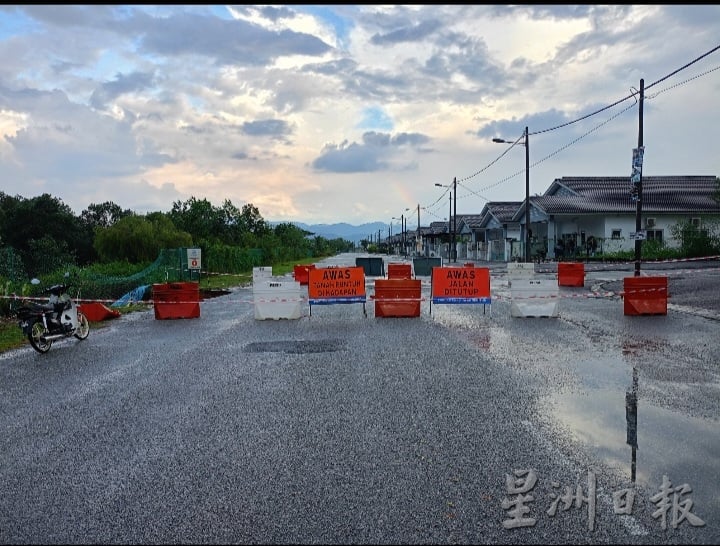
{"type": "Point", "coordinates": [613, 231]}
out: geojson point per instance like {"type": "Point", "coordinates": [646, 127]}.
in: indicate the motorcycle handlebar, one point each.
{"type": "Point", "coordinates": [55, 289]}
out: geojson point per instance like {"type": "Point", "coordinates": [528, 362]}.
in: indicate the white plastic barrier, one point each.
{"type": "Point", "coordinates": [262, 273]}
{"type": "Point", "coordinates": [534, 298]}
{"type": "Point", "coordinates": [278, 299]}
{"type": "Point", "coordinates": [521, 270]}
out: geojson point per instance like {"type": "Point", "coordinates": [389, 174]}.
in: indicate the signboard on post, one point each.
{"type": "Point", "coordinates": [330, 285]}
{"type": "Point", "coordinates": [638, 235]}
{"type": "Point", "coordinates": [460, 285]}
{"type": "Point", "coordinates": [193, 258]}
{"type": "Point", "coordinates": [636, 176]}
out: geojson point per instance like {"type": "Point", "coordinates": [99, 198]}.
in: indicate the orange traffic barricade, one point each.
{"type": "Point", "coordinates": [397, 297]}
{"type": "Point", "coordinates": [645, 295]}
{"type": "Point", "coordinates": [399, 271]}
{"type": "Point", "coordinates": [570, 274]}
{"type": "Point", "coordinates": [174, 300]}
{"type": "Point", "coordinates": [302, 273]}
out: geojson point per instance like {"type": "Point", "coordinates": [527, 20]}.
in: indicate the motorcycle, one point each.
{"type": "Point", "coordinates": [58, 319]}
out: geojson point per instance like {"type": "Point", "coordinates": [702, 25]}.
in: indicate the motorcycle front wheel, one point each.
{"type": "Point", "coordinates": [35, 336]}
{"type": "Point", "coordinates": [83, 329]}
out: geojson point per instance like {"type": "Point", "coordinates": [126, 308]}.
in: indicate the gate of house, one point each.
{"type": "Point", "coordinates": [497, 250]}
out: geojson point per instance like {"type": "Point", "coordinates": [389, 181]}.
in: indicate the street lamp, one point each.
{"type": "Point", "coordinates": [389, 239]}
{"type": "Point", "coordinates": [407, 235]}
{"type": "Point", "coordinates": [401, 227]}
{"type": "Point", "coordinates": [453, 250]}
{"type": "Point", "coordinates": [403, 224]}
{"type": "Point", "coordinates": [527, 189]}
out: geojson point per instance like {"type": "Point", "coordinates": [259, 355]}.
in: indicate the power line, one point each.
{"type": "Point", "coordinates": [682, 67]}
{"type": "Point", "coordinates": [596, 112]}
{"type": "Point", "coordinates": [632, 95]}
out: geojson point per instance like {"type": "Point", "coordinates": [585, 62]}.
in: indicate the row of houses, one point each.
{"type": "Point", "coordinates": [575, 215]}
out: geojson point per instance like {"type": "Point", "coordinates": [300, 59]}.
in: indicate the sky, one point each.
{"type": "Point", "coordinates": [352, 113]}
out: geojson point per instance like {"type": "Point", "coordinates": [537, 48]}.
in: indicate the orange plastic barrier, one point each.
{"type": "Point", "coordinates": [97, 312]}
{"type": "Point", "coordinates": [176, 300]}
{"type": "Point", "coordinates": [645, 295]}
{"type": "Point", "coordinates": [399, 271]}
{"type": "Point", "coordinates": [570, 274]}
{"type": "Point", "coordinates": [302, 273]}
{"type": "Point", "coordinates": [397, 297]}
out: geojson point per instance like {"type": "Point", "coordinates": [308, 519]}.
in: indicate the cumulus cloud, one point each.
{"type": "Point", "coordinates": [151, 103]}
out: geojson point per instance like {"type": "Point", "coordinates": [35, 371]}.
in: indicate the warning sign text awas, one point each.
{"type": "Point", "coordinates": [461, 285]}
{"type": "Point", "coordinates": [336, 285]}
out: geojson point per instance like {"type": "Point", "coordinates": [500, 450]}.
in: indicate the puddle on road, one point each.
{"type": "Point", "coordinates": [592, 400]}
{"type": "Point", "coordinates": [628, 433]}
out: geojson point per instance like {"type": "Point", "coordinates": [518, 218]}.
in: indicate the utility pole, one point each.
{"type": "Point", "coordinates": [638, 208]}
{"type": "Point", "coordinates": [454, 248]}
{"type": "Point", "coordinates": [418, 239]}
{"type": "Point", "coordinates": [450, 229]}
{"type": "Point", "coordinates": [527, 197]}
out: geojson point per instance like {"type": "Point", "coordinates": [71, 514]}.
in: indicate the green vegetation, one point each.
{"type": "Point", "coordinates": [110, 251]}
{"type": "Point", "coordinates": [695, 241]}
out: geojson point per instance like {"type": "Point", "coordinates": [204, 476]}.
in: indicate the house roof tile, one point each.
{"type": "Point", "coordinates": [570, 195]}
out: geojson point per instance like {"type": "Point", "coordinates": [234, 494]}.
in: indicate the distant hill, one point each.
{"type": "Point", "coordinates": [345, 231]}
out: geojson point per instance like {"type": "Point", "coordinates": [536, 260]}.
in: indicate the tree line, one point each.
{"type": "Point", "coordinates": [45, 233]}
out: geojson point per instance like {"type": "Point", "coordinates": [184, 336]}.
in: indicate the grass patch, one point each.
{"type": "Point", "coordinates": [11, 335]}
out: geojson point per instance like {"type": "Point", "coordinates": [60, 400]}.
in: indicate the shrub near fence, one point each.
{"type": "Point", "coordinates": [231, 259]}
{"type": "Point", "coordinates": [11, 265]}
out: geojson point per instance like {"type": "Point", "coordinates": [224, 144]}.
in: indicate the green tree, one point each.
{"type": "Point", "coordinates": [103, 214]}
{"type": "Point", "coordinates": [697, 241]}
{"type": "Point", "coordinates": [41, 224]}
{"type": "Point", "coordinates": [199, 218]}
{"type": "Point", "coordinates": [97, 215]}
{"type": "Point", "coordinates": [293, 240]}
{"type": "Point", "coordinates": [251, 221]}
{"type": "Point", "coordinates": [138, 238]}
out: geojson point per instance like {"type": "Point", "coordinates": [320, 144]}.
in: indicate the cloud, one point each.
{"type": "Point", "coordinates": [123, 84]}
{"type": "Point", "coordinates": [227, 41]}
{"type": "Point", "coordinates": [266, 127]}
{"type": "Point", "coordinates": [375, 153]}
{"type": "Point", "coordinates": [153, 102]}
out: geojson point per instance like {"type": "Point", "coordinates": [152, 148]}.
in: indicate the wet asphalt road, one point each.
{"type": "Point", "coordinates": [345, 428]}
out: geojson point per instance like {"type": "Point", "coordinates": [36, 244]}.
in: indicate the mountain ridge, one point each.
{"type": "Point", "coordinates": [343, 230]}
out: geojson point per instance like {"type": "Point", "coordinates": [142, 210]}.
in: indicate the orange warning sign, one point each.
{"type": "Point", "coordinates": [336, 285]}
{"type": "Point", "coordinates": [461, 285]}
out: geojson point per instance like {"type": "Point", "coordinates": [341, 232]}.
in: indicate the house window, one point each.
{"type": "Point", "coordinates": [695, 222]}
{"type": "Point", "coordinates": [615, 233]}
{"type": "Point", "coordinates": [655, 235]}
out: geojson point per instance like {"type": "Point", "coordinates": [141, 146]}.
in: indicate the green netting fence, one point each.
{"type": "Point", "coordinates": [173, 264]}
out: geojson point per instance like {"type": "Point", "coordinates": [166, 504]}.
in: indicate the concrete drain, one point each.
{"type": "Point", "coordinates": [296, 347]}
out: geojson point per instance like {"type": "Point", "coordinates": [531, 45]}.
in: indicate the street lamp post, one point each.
{"type": "Point", "coordinates": [527, 190]}
{"type": "Point", "coordinates": [452, 216]}
{"type": "Point", "coordinates": [454, 235]}
{"type": "Point", "coordinates": [418, 238]}
{"type": "Point", "coordinates": [390, 237]}
{"type": "Point", "coordinates": [405, 237]}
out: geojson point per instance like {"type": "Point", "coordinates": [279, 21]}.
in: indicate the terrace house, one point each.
{"type": "Point", "coordinates": [596, 214]}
